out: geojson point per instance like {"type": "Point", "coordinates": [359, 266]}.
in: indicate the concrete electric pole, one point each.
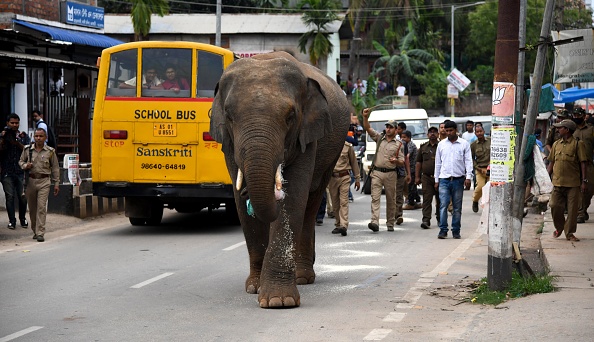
{"type": "Point", "coordinates": [499, 265]}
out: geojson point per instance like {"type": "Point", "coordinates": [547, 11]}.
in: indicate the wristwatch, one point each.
{"type": "Point", "coordinates": [584, 180]}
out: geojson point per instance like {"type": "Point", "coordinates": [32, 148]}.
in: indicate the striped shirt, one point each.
{"type": "Point", "coordinates": [453, 159]}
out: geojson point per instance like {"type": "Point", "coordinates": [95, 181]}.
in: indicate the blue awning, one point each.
{"type": "Point", "coordinates": [72, 36]}
{"type": "Point", "coordinates": [570, 94]}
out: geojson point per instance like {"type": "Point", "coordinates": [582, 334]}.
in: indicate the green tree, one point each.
{"type": "Point", "coordinates": [142, 10]}
{"type": "Point", "coordinates": [403, 65]}
{"type": "Point", "coordinates": [434, 84]}
{"type": "Point", "coordinates": [318, 15]}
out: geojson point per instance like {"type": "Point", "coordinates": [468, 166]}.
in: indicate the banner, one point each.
{"type": "Point", "coordinates": [574, 62]}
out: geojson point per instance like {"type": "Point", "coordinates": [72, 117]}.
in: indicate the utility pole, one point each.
{"type": "Point", "coordinates": [531, 114]}
{"type": "Point", "coordinates": [499, 265]}
{"type": "Point", "coordinates": [218, 23]}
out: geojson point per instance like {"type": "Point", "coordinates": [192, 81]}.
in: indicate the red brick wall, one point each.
{"type": "Point", "coordinates": [42, 9]}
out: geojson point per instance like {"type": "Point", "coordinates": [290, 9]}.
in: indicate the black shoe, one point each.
{"type": "Point", "coordinates": [336, 231]}
{"type": "Point", "coordinates": [456, 236]}
{"type": "Point", "coordinates": [40, 238]}
{"type": "Point", "coordinates": [35, 237]}
{"type": "Point", "coordinates": [11, 225]}
{"type": "Point", "coordinates": [399, 220]}
{"type": "Point", "coordinates": [580, 219]}
{"type": "Point", "coordinates": [425, 225]}
{"type": "Point", "coordinates": [442, 235]}
{"type": "Point", "coordinates": [373, 226]}
{"type": "Point", "coordinates": [330, 215]}
{"type": "Point", "coordinates": [343, 231]}
{"type": "Point", "coordinates": [24, 223]}
{"type": "Point", "coordinates": [475, 207]}
{"type": "Point", "coordinates": [319, 222]}
{"type": "Point", "coordinates": [586, 216]}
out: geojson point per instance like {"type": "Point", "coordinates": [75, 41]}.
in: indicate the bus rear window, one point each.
{"type": "Point", "coordinates": [122, 67]}
{"type": "Point", "coordinates": [166, 72]}
{"type": "Point", "coordinates": [210, 69]}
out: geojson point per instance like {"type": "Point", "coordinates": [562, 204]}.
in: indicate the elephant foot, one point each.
{"type": "Point", "coordinates": [284, 297]}
{"type": "Point", "coordinates": [252, 284]}
{"type": "Point", "coordinates": [305, 276]}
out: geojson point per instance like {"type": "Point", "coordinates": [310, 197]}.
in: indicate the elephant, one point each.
{"type": "Point", "coordinates": [281, 124]}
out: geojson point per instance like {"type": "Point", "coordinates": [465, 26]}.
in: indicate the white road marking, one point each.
{"type": "Point", "coordinates": [19, 334]}
{"type": "Point", "coordinates": [377, 334]}
{"type": "Point", "coordinates": [415, 292]}
{"type": "Point", "coordinates": [152, 280]}
{"type": "Point", "coordinates": [394, 317]}
{"type": "Point", "coordinates": [234, 246]}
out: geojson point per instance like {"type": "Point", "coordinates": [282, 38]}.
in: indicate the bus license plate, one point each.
{"type": "Point", "coordinates": [165, 130]}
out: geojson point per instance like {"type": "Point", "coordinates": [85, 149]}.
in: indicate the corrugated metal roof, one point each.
{"type": "Point", "coordinates": [27, 57]}
{"type": "Point", "coordinates": [206, 24]}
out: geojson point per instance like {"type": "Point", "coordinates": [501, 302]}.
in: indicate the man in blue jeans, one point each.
{"type": "Point", "coordinates": [12, 143]}
{"type": "Point", "coordinates": [453, 173]}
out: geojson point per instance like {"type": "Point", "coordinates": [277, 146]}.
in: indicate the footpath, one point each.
{"type": "Point", "coordinates": [567, 314]}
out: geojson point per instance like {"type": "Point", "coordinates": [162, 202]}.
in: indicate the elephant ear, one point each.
{"type": "Point", "coordinates": [316, 122]}
{"type": "Point", "coordinates": [218, 130]}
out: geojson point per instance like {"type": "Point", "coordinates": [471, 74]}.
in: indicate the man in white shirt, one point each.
{"type": "Point", "coordinates": [453, 173]}
{"type": "Point", "coordinates": [469, 134]}
{"type": "Point", "coordinates": [400, 90]}
{"type": "Point", "coordinates": [150, 80]}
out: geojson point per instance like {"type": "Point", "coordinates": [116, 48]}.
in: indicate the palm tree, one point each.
{"type": "Point", "coordinates": [402, 67]}
{"type": "Point", "coordinates": [320, 14]}
{"type": "Point", "coordinates": [141, 15]}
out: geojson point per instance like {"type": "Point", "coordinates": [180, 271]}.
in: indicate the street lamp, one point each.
{"type": "Point", "coordinates": [454, 7]}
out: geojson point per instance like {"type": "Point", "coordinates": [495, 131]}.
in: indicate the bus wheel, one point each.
{"type": "Point", "coordinates": [156, 215]}
{"type": "Point", "coordinates": [137, 221]}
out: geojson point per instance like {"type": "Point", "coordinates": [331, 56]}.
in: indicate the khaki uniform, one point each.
{"type": "Point", "coordinates": [481, 157]}
{"type": "Point", "coordinates": [586, 134]}
{"type": "Point", "coordinates": [426, 165]}
{"type": "Point", "coordinates": [384, 176]}
{"type": "Point", "coordinates": [566, 156]}
{"type": "Point", "coordinates": [552, 136]}
{"type": "Point", "coordinates": [44, 172]}
{"type": "Point", "coordinates": [340, 183]}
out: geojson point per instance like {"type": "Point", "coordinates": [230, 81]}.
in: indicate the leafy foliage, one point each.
{"type": "Point", "coordinates": [141, 13]}
{"type": "Point", "coordinates": [434, 83]}
{"type": "Point", "coordinates": [519, 287]}
{"type": "Point", "coordinates": [367, 100]}
{"type": "Point", "coordinates": [483, 75]}
{"type": "Point", "coordinates": [321, 13]}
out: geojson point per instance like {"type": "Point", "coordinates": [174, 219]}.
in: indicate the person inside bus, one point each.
{"type": "Point", "coordinates": [150, 80]}
{"type": "Point", "coordinates": [172, 82]}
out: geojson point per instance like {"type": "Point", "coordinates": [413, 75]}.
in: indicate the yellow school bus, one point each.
{"type": "Point", "coordinates": [151, 142]}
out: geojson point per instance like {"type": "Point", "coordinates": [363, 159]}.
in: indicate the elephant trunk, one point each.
{"type": "Point", "coordinates": [263, 178]}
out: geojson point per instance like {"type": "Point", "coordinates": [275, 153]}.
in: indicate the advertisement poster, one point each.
{"type": "Point", "coordinates": [503, 146]}
{"type": "Point", "coordinates": [504, 103]}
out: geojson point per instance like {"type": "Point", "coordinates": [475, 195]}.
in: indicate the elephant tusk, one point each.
{"type": "Point", "coordinates": [239, 179]}
{"type": "Point", "coordinates": [278, 178]}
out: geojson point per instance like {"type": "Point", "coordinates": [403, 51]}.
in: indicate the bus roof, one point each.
{"type": "Point", "coordinates": [167, 44]}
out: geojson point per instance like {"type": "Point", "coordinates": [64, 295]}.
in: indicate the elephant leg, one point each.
{"type": "Point", "coordinates": [256, 238]}
{"type": "Point", "coordinates": [305, 259]}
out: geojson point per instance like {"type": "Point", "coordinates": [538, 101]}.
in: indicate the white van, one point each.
{"type": "Point", "coordinates": [416, 120]}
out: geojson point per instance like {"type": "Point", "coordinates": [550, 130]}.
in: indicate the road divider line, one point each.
{"type": "Point", "coordinates": [394, 317]}
{"type": "Point", "coordinates": [234, 246]}
{"type": "Point", "coordinates": [152, 280]}
{"type": "Point", "coordinates": [19, 334]}
{"type": "Point", "coordinates": [377, 334]}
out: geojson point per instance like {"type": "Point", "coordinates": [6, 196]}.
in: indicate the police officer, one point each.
{"type": "Point", "coordinates": [585, 133]}
{"type": "Point", "coordinates": [481, 157]}
{"type": "Point", "coordinates": [389, 155]}
{"type": "Point", "coordinates": [339, 187]}
{"type": "Point", "coordinates": [567, 161]}
{"type": "Point", "coordinates": [424, 175]}
{"type": "Point", "coordinates": [553, 134]}
{"type": "Point", "coordinates": [42, 163]}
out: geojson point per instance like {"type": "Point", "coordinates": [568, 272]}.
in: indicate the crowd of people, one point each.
{"type": "Point", "coordinates": [27, 172]}
{"type": "Point", "coordinates": [450, 162]}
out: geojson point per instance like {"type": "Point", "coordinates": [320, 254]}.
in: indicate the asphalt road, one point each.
{"type": "Point", "coordinates": [105, 280]}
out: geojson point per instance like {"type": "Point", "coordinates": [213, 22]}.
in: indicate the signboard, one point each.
{"type": "Point", "coordinates": [452, 91]}
{"type": "Point", "coordinates": [458, 79]}
{"type": "Point", "coordinates": [400, 102]}
{"type": "Point", "coordinates": [82, 15]}
{"type": "Point", "coordinates": [573, 61]}
{"type": "Point", "coordinates": [503, 103]}
{"type": "Point", "coordinates": [248, 54]}
{"type": "Point", "coordinates": [503, 147]}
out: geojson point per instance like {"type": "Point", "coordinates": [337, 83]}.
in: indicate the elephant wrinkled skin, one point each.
{"type": "Point", "coordinates": [282, 125]}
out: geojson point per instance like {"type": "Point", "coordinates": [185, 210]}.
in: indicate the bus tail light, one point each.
{"type": "Point", "coordinates": [206, 136]}
{"type": "Point", "coordinates": [115, 134]}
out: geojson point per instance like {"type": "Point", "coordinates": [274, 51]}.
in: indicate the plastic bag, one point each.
{"type": "Point", "coordinates": [483, 226]}
{"type": "Point", "coordinates": [542, 182]}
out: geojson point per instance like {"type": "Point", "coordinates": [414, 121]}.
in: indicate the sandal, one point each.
{"type": "Point", "coordinates": [556, 234]}
{"type": "Point", "coordinates": [572, 238]}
